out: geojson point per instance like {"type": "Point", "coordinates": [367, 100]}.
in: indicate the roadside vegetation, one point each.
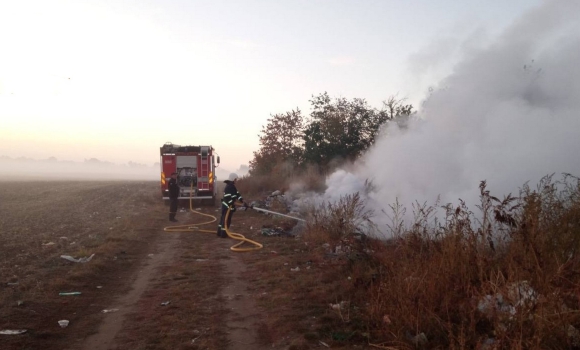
{"type": "Point", "coordinates": [502, 275]}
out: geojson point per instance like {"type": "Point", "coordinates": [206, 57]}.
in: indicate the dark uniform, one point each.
{"type": "Point", "coordinates": [231, 195]}
{"type": "Point", "coordinates": [173, 201]}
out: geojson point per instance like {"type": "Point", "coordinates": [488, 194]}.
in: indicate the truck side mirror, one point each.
{"type": "Point", "coordinates": [218, 159]}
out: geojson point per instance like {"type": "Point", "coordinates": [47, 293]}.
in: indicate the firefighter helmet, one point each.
{"type": "Point", "coordinates": [232, 177]}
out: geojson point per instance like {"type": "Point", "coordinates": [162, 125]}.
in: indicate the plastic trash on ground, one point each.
{"type": "Point", "coordinates": [12, 331]}
{"type": "Point", "coordinates": [274, 232]}
{"type": "Point", "coordinates": [106, 311]}
{"type": "Point", "coordinates": [80, 260]}
{"type": "Point", "coordinates": [63, 323]}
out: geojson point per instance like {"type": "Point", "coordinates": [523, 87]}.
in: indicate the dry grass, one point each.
{"type": "Point", "coordinates": [503, 278]}
{"type": "Point", "coordinates": [425, 288]}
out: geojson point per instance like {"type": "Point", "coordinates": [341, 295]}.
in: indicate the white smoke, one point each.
{"type": "Point", "coordinates": [508, 114]}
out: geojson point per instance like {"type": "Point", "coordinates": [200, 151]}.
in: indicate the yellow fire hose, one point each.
{"type": "Point", "coordinates": [195, 228]}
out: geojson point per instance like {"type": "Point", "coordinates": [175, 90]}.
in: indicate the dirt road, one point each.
{"type": "Point", "coordinates": [163, 290]}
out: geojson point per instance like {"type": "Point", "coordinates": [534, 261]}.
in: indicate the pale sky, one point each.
{"type": "Point", "coordinates": [114, 80]}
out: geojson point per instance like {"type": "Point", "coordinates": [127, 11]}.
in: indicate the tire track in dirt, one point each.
{"type": "Point", "coordinates": [244, 314]}
{"type": "Point", "coordinates": [165, 248]}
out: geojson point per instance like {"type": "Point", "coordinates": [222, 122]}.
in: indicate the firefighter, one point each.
{"type": "Point", "coordinates": [231, 195]}
{"type": "Point", "coordinates": [173, 197]}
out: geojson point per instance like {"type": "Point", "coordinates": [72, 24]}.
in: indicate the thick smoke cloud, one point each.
{"type": "Point", "coordinates": [508, 113]}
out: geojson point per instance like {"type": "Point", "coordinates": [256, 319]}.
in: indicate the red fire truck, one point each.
{"type": "Point", "coordinates": [195, 167]}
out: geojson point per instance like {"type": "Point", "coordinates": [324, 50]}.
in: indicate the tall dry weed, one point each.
{"type": "Point", "coordinates": [504, 277]}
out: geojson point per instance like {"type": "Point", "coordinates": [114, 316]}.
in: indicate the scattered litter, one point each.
{"type": "Point", "coordinates": [48, 244]}
{"type": "Point", "coordinates": [387, 319]}
{"type": "Point", "coordinates": [63, 323]}
{"type": "Point", "coordinates": [106, 311]}
{"type": "Point", "coordinates": [12, 283]}
{"type": "Point", "coordinates": [12, 331]}
{"type": "Point", "coordinates": [150, 255]}
{"type": "Point", "coordinates": [201, 259]}
{"type": "Point", "coordinates": [19, 303]}
{"type": "Point", "coordinates": [276, 193]}
{"type": "Point", "coordinates": [323, 343]}
{"type": "Point", "coordinates": [419, 340]}
{"type": "Point", "coordinates": [118, 217]}
{"type": "Point", "coordinates": [73, 243]}
{"type": "Point", "coordinates": [99, 287]}
{"type": "Point", "coordinates": [285, 264]}
{"type": "Point", "coordinates": [338, 306]}
{"type": "Point", "coordinates": [522, 294]}
{"type": "Point", "coordinates": [194, 339]}
{"type": "Point", "coordinates": [197, 209]}
{"type": "Point", "coordinates": [274, 252]}
{"type": "Point", "coordinates": [271, 232]}
{"type": "Point", "coordinates": [80, 260]}
{"type": "Point", "coordinates": [182, 210]}
{"type": "Point", "coordinates": [63, 237]}
{"type": "Point", "coordinates": [295, 269]}
{"type": "Point", "coordinates": [69, 293]}
{"type": "Point", "coordinates": [165, 303]}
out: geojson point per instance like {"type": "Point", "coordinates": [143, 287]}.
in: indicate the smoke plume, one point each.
{"type": "Point", "coordinates": [509, 113]}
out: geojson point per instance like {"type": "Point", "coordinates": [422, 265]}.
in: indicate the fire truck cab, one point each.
{"type": "Point", "coordinates": [195, 167]}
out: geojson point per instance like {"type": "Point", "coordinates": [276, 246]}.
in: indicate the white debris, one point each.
{"type": "Point", "coordinates": [521, 294]}
{"type": "Point", "coordinates": [295, 269]}
{"type": "Point", "coordinates": [339, 306]}
{"type": "Point", "coordinates": [12, 331]}
{"type": "Point", "coordinates": [106, 311]}
{"type": "Point", "coordinates": [419, 340]}
{"type": "Point", "coordinates": [80, 260]}
{"type": "Point", "coordinates": [63, 323]}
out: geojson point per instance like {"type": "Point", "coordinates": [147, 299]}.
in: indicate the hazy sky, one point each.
{"type": "Point", "coordinates": [114, 80]}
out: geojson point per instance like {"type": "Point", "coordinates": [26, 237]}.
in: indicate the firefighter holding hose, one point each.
{"type": "Point", "coordinates": [231, 195]}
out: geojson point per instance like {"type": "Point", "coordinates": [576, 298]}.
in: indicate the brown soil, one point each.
{"type": "Point", "coordinates": [184, 290]}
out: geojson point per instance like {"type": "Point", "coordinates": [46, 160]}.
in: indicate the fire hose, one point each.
{"type": "Point", "coordinates": [279, 214]}
{"type": "Point", "coordinates": [236, 236]}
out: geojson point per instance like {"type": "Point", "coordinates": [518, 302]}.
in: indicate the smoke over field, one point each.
{"type": "Point", "coordinates": [508, 113]}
